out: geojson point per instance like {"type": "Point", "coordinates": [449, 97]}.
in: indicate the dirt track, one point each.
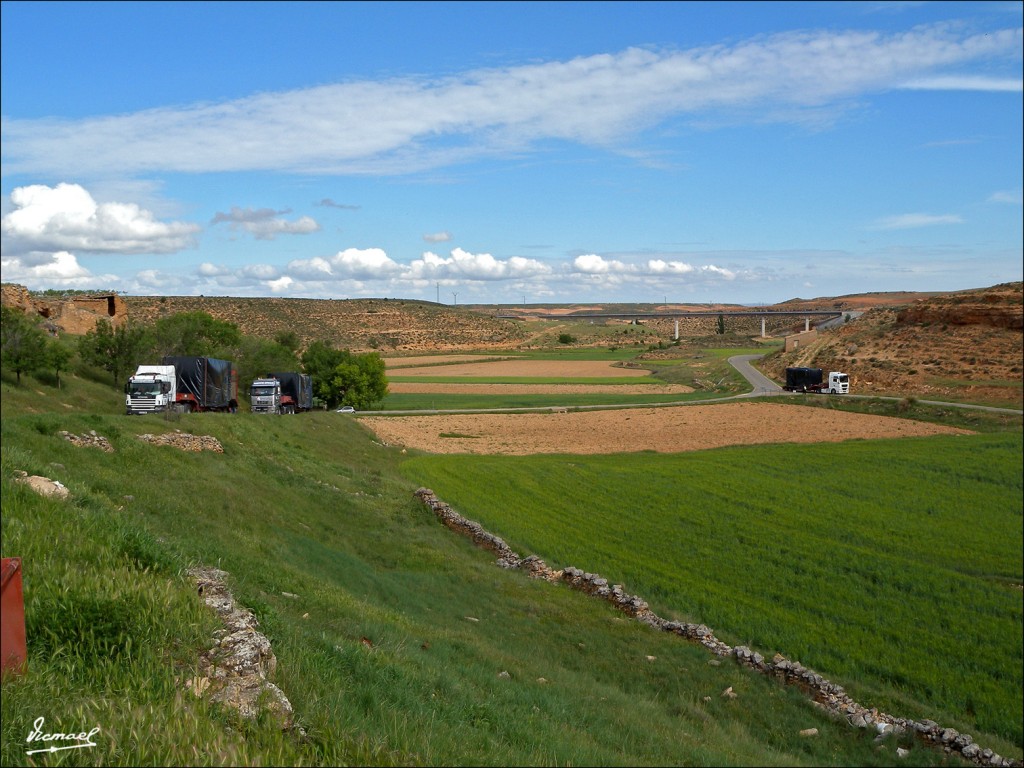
{"type": "Point", "coordinates": [666, 430]}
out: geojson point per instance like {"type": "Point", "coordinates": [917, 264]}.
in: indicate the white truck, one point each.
{"type": "Point", "coordinates": [184, 383]}
{"type": "Point", "coordinates": [814, 380]}
{"type": "Point", "coordinates": [152, 389]}
{"type": "Point", "coordinates": [282, 393]}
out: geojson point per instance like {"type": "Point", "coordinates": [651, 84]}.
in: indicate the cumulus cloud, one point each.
{"type": "Point", "coordinates": [438, 237]}
{"type": "Point", "coordinates": [347, 264]}
{"type": "Point", "coordinates": [409, 124]}
{"type": "Point", "coordinates": [592, 264]}
{"type": "Point", "coordinates": [463, 265]}
{"type": "Point", "coordinates": [67, 218]}
{"type": "Point", "coordinates": [264, 224]}
{"type": "Point", "coordinates": [52, 270]}
{"type": "Point", "coordinates": [650, 270]}
{"type": "Point", "coordinates": [915, 220]}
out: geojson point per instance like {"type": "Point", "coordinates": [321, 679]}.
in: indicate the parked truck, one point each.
{"type": "Point", "coordinates": [282, 393]}
{"type": "Point", "coordinates": [814, 380]}
{"type": "Point", "coordinates": [188, 384]}
{"type": "Point", "coordinates": [151, 389]}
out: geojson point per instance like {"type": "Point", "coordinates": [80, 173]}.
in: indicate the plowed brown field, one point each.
{"type": "Point", "coordinates": [666, 430]}
{"type": "Point", "coordinates": [574, 369]}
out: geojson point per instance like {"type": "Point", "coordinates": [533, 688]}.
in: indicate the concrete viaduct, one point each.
{"type": "Point", "coordinates": [764, 314]}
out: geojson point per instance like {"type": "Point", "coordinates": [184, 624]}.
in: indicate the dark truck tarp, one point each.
{"type": "Point", "coordinates": [299, 386]}
{"type": "Point", "coordinates": [798, 378]}
{"type": "Point", "coordinates": [207, 379]}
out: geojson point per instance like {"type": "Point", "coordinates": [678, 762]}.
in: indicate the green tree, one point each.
{"type": "Point", "coordinates": [343, 378]}
{"type": "Point", "coordinates": [258, 357]}
{"type": "Point", "coordinates": [288, 339]}
{"type": "Point", "coordinates": [56, 358]}
{"type": "Point", "coordinates": [721, 324]}
{"type": "Point", "coordinates": [195, 333]}
{"type": "Point", "coordinates": [360, 381]}
{"type": "Point", "coordinates": [22, 342]}
{"type": "Point", "coordinates": [115, 350]}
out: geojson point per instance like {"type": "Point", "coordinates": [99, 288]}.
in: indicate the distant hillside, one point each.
{"type": "Point", "coordinates": [357, 324]}
{"type": "Point", "coordinates": [968, 344]}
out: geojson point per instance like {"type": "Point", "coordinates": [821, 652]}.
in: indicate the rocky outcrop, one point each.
{"type": "Point", "coordinates": [236, 671]}
{"type": "Point", "coordinates": [44, 486]}
{"type": "Point", "coordinates": [829, 696]}
{"type": "Point", "coordinates": [75, 314]}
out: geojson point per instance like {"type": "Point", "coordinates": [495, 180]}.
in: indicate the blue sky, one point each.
{"type": "Point", "coordinates": [512, 152]}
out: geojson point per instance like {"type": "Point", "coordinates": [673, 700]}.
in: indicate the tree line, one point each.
{"type": "Point", "coordinates": [340, 377]}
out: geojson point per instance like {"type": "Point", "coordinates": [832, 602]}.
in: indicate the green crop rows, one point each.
{"type": "Point", "coordinates": [891, 567]}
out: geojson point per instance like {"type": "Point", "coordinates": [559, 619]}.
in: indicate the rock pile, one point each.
{"type": "Point", "coordinates": [89, 440]}
{"type": "Point", "coordinates": [827, 695]}
{"type": "Point", "coordinates": [236, 670]}
{"type": "Point", "coordinates": [185, 441]}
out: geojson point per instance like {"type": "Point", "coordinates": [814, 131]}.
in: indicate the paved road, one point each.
{"type": "Point", "coordinates": [762, 386]}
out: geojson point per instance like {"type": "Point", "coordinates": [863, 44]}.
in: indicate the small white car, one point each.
{"type": "Point", "coordinates": [346, 409]}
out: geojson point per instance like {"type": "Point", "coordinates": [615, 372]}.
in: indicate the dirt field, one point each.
{"type": "Point", "coordinates": [666, 430]}
{"type": "Point", "coordinates": [412, 361]}
{"type": "Point", "coordinates": [412, 387]}
{"type": "Point", "coordinates": [564, 369]}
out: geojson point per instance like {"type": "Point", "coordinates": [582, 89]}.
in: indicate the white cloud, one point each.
{"type": "Point", "coordinates": [463, 265]}
{"type": "Point", "coordinates": [662, 267]}
{"type": "Point", "coordinates": [206, 269]}
{"type": "Point", "coordinates": [347, 264]}
{"type": "Point", "coordinates": [264, 224]}
{"type": "Point", "coordinates": [965, 83]}
{"type": "Point", "coordinates": [438, 237]}
{"type": "Point", "coordinates": [67, 218]}
{"type": "Point", "coordinates": [1011, 197]}
{"type": "Point", "coordinates": [52, 270]}
{"type": "Point", "coordinates": [592, 264]}
{"type": "Point", "coordinates": [915, 220]}
{"type": "Point", "coordinates": [281, 284]}
{"type": "Point", "coordinates": [407, 125]}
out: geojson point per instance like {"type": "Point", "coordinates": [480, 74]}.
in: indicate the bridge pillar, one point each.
{"type": "Point", "coordinates": [807, 324]}
{"type": "Point", "coordinates": [762, 326]}
{"type": "Point", "coordinates": [677, 330]}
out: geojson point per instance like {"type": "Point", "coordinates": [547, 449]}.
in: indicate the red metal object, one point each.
{"type": "Point", "coordinates": [12, 616]}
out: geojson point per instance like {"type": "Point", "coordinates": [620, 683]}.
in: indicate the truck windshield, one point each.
{"type": "Point", "coordinates": [262, 391]}
{"type": "Point", "coordinates": [144, 388]}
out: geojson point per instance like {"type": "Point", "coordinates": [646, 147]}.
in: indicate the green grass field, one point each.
{"type": "Point", "coordinates": [893, 567]}
{"type": "Point", "coordinates": [313, 506]}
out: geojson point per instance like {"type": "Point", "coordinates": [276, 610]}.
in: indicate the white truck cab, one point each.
{"type": "Point", "coordinates": [151, 389]}
{"type": "Point", "coordinates": [838, 383]}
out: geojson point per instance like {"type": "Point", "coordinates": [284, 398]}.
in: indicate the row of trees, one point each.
{"type": "Point", "coordinates": [340, 377]}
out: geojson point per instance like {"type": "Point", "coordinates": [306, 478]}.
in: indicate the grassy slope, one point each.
{"type": "Point", "coordinates": [312, 506]}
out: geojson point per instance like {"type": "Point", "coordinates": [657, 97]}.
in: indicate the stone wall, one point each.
{"type": "Point", "coordinates": [828, 696]}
